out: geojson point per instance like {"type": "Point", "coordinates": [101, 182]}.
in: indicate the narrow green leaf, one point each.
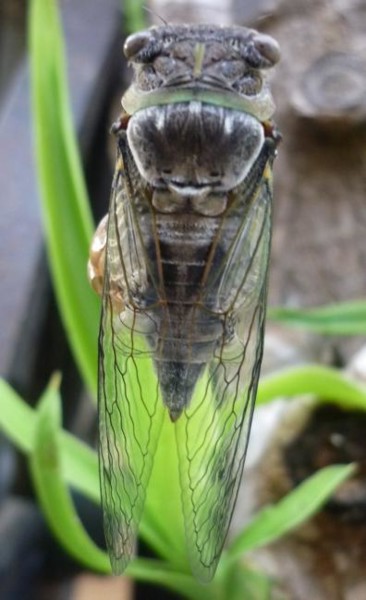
{"type": "Point", "coordinates": [275, 521]}
{"type": "Point", "coordinates": [66, 213]}
{"type": "Point", "coordinates": [16, 418]}
{"type": "Point", "coordinates": [80, 469]}
{"type": "Point", "coordinates": [79, 462]}
{"type": "Point", "coordinates": [327, 384]}
{"type": "Point", "coordinates": [239, 582]}
{"type": "Point", "coordinates": [163, 573]}
{"type": "Point", "coordinates": [54, 498]}
{"type": "Point", "coordinates": [251, 585]}
{"type": "Point", "coordinates": [135, 15]}
{"type": "Point", "coordinates": [343, 318]}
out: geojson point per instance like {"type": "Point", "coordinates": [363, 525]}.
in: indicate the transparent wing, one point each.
{"type": "Point", "coordinates": [130, 407]}
{"type": "Point", "coordinates": [212, 434]}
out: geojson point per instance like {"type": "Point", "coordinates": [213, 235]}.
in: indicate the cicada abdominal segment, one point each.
{"type": "Point", "coordinates": [183, 259]}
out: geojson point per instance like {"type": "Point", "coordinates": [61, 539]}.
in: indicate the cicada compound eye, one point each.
{"type": "Point", "coordinates": [135, 43]}
{"type": "Point", "coordinates": [263, 52]}
{"type": "Point", "coordinates": [267, 47]}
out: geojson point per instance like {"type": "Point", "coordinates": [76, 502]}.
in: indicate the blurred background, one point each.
{"type": "Point", "coordinates": [318, 258]}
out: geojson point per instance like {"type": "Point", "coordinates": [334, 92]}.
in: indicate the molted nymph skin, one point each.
{"type": "Point", "coordinates": [186, 249]}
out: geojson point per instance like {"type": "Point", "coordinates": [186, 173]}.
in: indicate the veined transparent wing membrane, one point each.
{"type": "Point", "coordinates": [130, 405]}
{"type": "Point", "coordinates": [213, 433]}
{"type": "Point", "coordinates": [185, 276]}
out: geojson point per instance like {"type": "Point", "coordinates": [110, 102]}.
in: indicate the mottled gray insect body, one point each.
{"type": "Point", "coordinates": [185, 276]}
{"type": "Point", "coordinates": [216, 150]}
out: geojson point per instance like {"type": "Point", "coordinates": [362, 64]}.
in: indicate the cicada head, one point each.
{"type": "Point", "coordinates": [198, 103]}
{"type": "Point", "coordinates": [223, 65]}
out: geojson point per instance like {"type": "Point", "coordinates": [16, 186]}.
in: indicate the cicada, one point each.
{"type": "Point", "coordinates": [181, 262]}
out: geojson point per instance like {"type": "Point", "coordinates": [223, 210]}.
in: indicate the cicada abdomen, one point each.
{"type": "Point", "coordinates": [183, 260]}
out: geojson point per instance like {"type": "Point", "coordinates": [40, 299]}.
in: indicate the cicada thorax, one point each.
{"type": "Point", "coordinates": [192, 159]}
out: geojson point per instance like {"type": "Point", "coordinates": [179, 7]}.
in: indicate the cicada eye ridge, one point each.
{"type": "Point", "coordinates": [266, 49]}
{"type": "Point", "coordinates": [142, 47]}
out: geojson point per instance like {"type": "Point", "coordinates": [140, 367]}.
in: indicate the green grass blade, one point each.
{"type": "Point", "coordinates": [135, 15]}
{"type": "Point", "coordinates": [329, 385]}
{"type": "Point", "coordinates": [53, 495]}
{"type": "Point", "coordinates": [343, 318]}
{"type": "Point", "coordinates": [273, 522]}
{"type": "Point", "coordinates": [65, 207]}
{"type": "Point", "coordinates": [162, 573]}
{"type": "Point", "coordinates": [79, 462]}
{"type": "Point", "coordinates": [238, 582]}
{"type": "Point", "coordinates": [80, 469]}
{"type": "Point", "coordinates": [17, 418]}
{"type": "Point", "coordinates": [39, 431]}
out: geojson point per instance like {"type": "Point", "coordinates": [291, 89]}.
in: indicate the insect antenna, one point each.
{"type": "Point", "coordinates": [155, 14]}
